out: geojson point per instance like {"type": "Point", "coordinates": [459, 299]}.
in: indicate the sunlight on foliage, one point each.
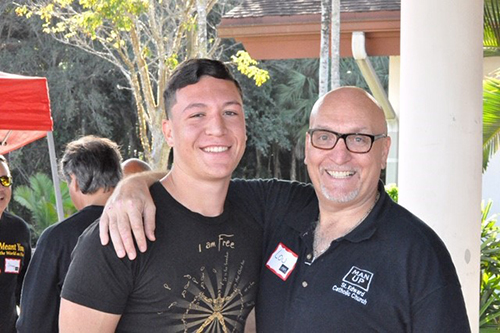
{"type": "Point", "coordinates": [491, 117]}
{"type": "Point", "coordinates": [145, 40]}
{"type": "Point", "coordinates": [248, 66]}
{"type": "Point", "coordinates": [58, 16]}
{"type": "Point", "coordinates": [172, 61]}
{"type": "Point", "coordinates": [392, 190]}
{"type": "Point", "coordinates": [490, 270]}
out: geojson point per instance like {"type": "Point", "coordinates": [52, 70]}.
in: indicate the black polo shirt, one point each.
{"type": "Point", "coordinates": [391, 274]}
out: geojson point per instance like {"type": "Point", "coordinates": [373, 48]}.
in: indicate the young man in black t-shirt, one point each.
{"type": "Point", "coordinates": [201, 274]}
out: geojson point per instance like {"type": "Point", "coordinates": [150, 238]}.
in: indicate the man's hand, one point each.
{"type": "Point", "coordinates": [130, 210]}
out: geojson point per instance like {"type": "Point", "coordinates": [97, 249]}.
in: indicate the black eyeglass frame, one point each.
{"type": "Point", "coordinates": [6, 179]}
{"type": "Point", "coordinates": [339, 136]}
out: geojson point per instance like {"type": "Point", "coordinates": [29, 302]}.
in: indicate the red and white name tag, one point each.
{"type": "Point", "coordinates": [282, 261]}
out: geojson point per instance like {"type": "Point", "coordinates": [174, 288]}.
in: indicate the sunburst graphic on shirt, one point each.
{"type": "Point", "coordinates": [215, 301]}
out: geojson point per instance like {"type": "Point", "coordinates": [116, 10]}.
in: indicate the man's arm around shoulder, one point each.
{"type": "Point", "coordinates": [76, 318]}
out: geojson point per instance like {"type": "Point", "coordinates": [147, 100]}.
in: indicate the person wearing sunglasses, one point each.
{"type": "Point", "coordinates": [15, 253]}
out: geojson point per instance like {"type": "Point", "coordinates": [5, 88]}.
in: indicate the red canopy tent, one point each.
{"type": "Point", "coordinates": [24, 111]}
{"type": "Point", "coordinates": [25, 117]}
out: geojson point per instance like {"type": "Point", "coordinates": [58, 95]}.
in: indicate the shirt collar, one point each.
{"type": "Point", "coordinates": [368, 227]}
{"type": "Point", "coordinates": [305, 222]}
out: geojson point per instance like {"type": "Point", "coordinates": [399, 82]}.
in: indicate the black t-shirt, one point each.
{"type": "Point", "coordinates": [47, 270]}
{"type": "Point", "coordinates": [201, 273]}
{"type": "Point", "coordinates": [15, 254]}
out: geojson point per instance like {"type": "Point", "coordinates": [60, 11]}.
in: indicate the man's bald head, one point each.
{"type": "Point", "coordinates": [134, 165]}
{"type": "Point", "coordinates": [354, 100]}
{"type": "Point", "coordinates": [339, 175]}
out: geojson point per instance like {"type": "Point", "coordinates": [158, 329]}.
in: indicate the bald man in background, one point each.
{"type": "Point", "coordinates": [134, 165]}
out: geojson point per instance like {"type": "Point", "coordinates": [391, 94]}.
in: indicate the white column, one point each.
{"type": "Point", "coordinates": [441, 126]}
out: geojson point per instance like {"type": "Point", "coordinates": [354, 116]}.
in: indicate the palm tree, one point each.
{"type": "Point", "coordinates": [295, 98]}
{"type": "Point", "coordinates": [491, 116]}
{"type": "Point", "coordinates": [39, 199]}
{"type": "Point", "coordinates": [491, 83]}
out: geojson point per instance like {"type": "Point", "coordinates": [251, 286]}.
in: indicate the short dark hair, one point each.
{"type": "Point", "coordinates": [95, 162]}
{"type": "Point", "coordinates": [190, 72]}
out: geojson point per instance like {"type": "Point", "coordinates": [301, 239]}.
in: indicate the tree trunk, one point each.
{"type": "Point", "coordinates": [293, 165]}
{"type": "Point", "coordinates": [160, 149]}
{"type": "Point", "coordinates": [335, 62]}
{"type": "Point", "coordinates": [201, 7]}
{"type": "Point", "coordinates": [258, 163]}
{"type": "Point", "coordinates": [276, 162]}
{"type": "Point", "coordinates": [324, 47]}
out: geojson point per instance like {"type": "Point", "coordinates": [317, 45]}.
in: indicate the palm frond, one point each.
{"type": "Point", "coordinates": [491, 117]}
{"type": "Point", "coordinates": [491, 38]}
{"type": "Point", "coordinates": [39, 199]}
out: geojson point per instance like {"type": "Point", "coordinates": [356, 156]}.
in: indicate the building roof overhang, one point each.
{"type": "Point", "coordinates": [273, 36]}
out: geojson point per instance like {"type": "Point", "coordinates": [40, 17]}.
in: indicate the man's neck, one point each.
{"type": "Point", "coordinates": [204, 197]}
{"type": "Point", "coordinates": [96, 199]}
{"type": "Point", "coordinates": [336, 220]}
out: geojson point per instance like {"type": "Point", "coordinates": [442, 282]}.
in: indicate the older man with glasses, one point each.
{"type": "Point", "coordinates": [348, 259]}
{"type": "Point", "coordinates": [15, 253]}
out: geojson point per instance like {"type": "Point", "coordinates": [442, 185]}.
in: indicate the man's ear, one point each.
{"type": "Point", "coordinates": [166, 128]}
{"type": "Point", "coordinates": [306, 148]}
{"type": "Point", "coordinates": [385, 152]}
{"type": "Point", "coordinates": [74, 184]}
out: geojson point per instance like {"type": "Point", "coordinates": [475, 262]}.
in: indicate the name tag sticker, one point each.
{"type": "Point", "coordinates": [12, 266]}
{"type": "Point", "coordinates": [282, 261]}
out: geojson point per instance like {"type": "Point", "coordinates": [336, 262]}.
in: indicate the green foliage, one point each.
{"type": "Point", "coordinates": [94, 14]}
{"type": "Point", "coordinates": [489, 312]}
{"type": "Point", "coordinates": [39, 199]}
{"type": "Point", "coordinates": [350, 74]}
{"type": "Point", "coordinates": [491, 84]}
{"type": "Point", "coordinates": [392, 190]}
{"type": "Point", "coordinates": [86, 93]}
{"type": "Point", "coordinates": [491, 37]}
{"type": "Point", "coordinates": [140, 38]}
{"type": "Point", "coordinates": [278, 114]}
{"type": "Point", "coordinates": [491, 116]}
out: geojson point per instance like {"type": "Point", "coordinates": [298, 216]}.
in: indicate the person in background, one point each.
{"type": "Point", "coordinates": [134, 165]}
{"type": "Point", "coordinates": [91, 167]}
{"type": "Point", "coordinates": [15, 253]}
{"type": "Point", "coordinates": [346, 259]}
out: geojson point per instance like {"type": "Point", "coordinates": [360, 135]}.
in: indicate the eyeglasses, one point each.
{"type": "Point", "coordinates": [6, 181]}
{"type": "Point", "coordinates": [358, 143]}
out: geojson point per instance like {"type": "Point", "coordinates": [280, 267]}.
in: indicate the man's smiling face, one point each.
{"type": "Point", "coordinates": [338, 175]}
{"type": "Point", "coordinates": [207, 129]}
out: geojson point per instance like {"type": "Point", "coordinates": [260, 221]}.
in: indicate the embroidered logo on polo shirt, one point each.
{"type": "Point", "coordinates": [282, 261]}
{"type": "Point", "coordinates": [359, 277]}
{"type": "Point", "coordinates": [355, 284]}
